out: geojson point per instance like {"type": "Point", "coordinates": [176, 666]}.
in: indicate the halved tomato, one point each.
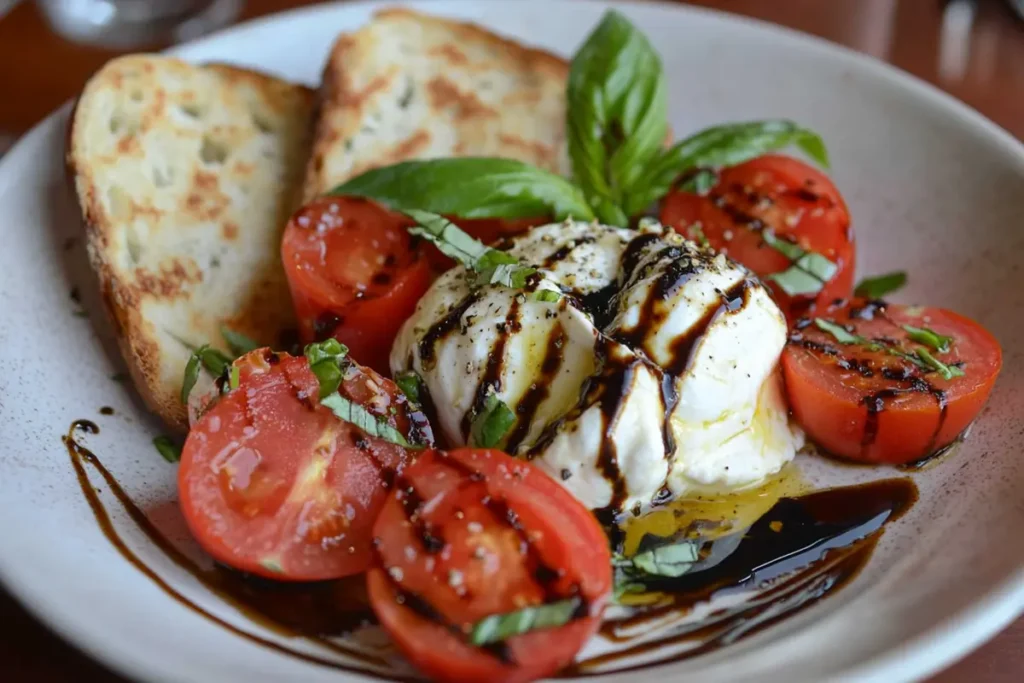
{"type": "Point", "coordinates": [798, 203]}
{"type": "Point", "coordinates": [273, 483]}
{"type": "Point", "coordinates": [355, 274]}
{"type": "Point", "coordinates": [475, 533]}
{"type": "Point", "coordinates": [877, 398]}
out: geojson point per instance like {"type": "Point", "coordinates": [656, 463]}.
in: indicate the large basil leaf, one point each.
{"type": "Point", "coordinates": [471, 187]}
{"type": "Point", "coordinates": [720, 146]}
{"type": "Point", "coordinates": [616, 118]}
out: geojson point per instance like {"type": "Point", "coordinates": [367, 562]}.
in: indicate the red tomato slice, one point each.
{"type": "Point", "coordinates": [474, 533]}
{"type": "Point", "coordinates": [873, 406]}
{"type": "Point", "coordinates": [797, 202]}
{"type": "Point", "coordinates": [354, 274]}
{"type": "Point", "coordinates": [272, 483]}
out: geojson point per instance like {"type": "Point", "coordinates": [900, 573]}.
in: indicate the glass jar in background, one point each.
{"type": "Point", "coordinates": [127, 24]}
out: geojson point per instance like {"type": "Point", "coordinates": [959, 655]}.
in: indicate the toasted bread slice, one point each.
{"type": "Point", "coordinates": [186, 176]}
{"type": "Point", "coordinates": [410, 86]}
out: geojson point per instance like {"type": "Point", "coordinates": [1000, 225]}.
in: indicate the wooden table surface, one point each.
{"type": "Point", "coordinates": [982, 64]}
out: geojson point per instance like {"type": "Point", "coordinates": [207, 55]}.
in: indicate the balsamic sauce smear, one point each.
{"type": "Point", "coordinates": [800, 551]}
{"type": "Point", "coordinates": [314, 611]}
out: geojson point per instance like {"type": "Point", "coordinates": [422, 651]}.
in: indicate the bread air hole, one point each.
{"type": "Point", "coordinates": [134, 245]}
{"type": "Point", "coordinates": [192, 110]}
{"type": "Point", "coordinates": [118, 203]}
{"type": "Point", "coordinates": [120, 122]}
{"type": "Point", "coordinates": [163, 177]}
{"type": "Point", "coordinates": [213, 151]}
{"type": "Point", "coordinates": [136, 96]}
{"type": "Point", "coordinates": [262, 121]}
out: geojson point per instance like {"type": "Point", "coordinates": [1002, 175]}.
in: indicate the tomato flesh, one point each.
{"type": "Point", "coordinates": [273, 483]}
{"type": "Point", "coordinates": [874, 406]}
{"type": "Point", "coordinates": [474, 533]}
{"type": "Point", "coordinates": [792, 199]}
{"type": "Point", "coordinates": [354, 274]}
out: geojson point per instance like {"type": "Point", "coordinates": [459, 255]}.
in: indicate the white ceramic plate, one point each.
{"type": "Point", "coordinates": [933, 188]}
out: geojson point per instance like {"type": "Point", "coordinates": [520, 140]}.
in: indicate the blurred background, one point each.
{"type": "Point", "coordinates": [973, 49]}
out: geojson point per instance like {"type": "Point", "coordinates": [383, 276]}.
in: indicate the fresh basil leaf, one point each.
{"type": "Point", "coordinates": [931, 338]}
{"type": "Point", "coordinates": [491, 265]}
{"type": "Point", "coordinates": [233, 377]}
{"type": "Point", "coordinates": [410, 384]}
{"type": "Point", "coordinates": [170, 451]}
{"type": "Point", "coordinates": [491, 425]}
{"type": "Point", "coordinates": [471, 187]}
{"type": "Point", "coordinates": [548, 296]}
{"type": "Point", "coordinates": [617, 115]}
{"type": "Point", "coordinates": [880, 285]}
{"type": "Point", "coordinates": [725, 145]}
{"type": "Point", "coordinates": [238, 342]}
{"type": "Point", "coordinates": [359, 416]}
{"type": "Point", "coordinates": [948, 372]}
{"type": "Point", "coordinates": [839, 332]}
{"type": "Point", "coordinates": [499, 627]}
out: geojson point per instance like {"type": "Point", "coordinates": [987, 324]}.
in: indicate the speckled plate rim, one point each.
{"type": "Point", "coordinates": [935, 648]}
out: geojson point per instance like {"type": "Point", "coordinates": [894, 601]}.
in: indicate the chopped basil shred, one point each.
{"type": "Point", "coordinates": [492, 423]}
{"type": "Point", "coordinates": [839, 332]}
{"type": "Point", "coordinates": [809, 270]}
{"type": "Point", "coordinates": [215, 362]}
{"type": "Point", "coordinates": [359, 416]}
{"type": "Point", "coordinates": [548, 296]}
{"type": "Point", "coordinates": [233, 377]}
{"type": "Point", "coordinates": [667, 560]}
{"type": "Point", "coordinates": [948, 372]}
{"type": "Point", "coordinates": [930, 338]}
{"type": "Point", "coordinates": [499, 627]}
{"type": "Point", "coordinates": [491, 265]}
{"type": "Point", "coordinates": [325, 361]}
{"type": "Point", "coordinates": [170, 451]}
{"type": "Point", "coordinates": [921, 357]}
{"type": "Point", "coordinates": [880, 285]}
{"type": "Point", "coordinates": [411, 384]}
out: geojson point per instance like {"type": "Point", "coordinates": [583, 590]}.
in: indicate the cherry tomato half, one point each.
{"type": "Point", "coordinates": [474, 533]}
{"type": "Point", "coordinates": [795, 201]}
{"type": "Point", "coordinates": [272, 483]}
{"type": "Point", "coordinates": [354, 274]}
{"type": "Point", "coordinates": [877, 402]}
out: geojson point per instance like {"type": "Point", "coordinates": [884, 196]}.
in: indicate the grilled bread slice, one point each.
{"type": "Point", "coordinates": [410, 86]}
{"type": "Point", "coordinates": [186, 176]}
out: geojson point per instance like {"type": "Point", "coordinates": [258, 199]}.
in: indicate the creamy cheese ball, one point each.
{"type": "Point", "coordinates": [654, 372]}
